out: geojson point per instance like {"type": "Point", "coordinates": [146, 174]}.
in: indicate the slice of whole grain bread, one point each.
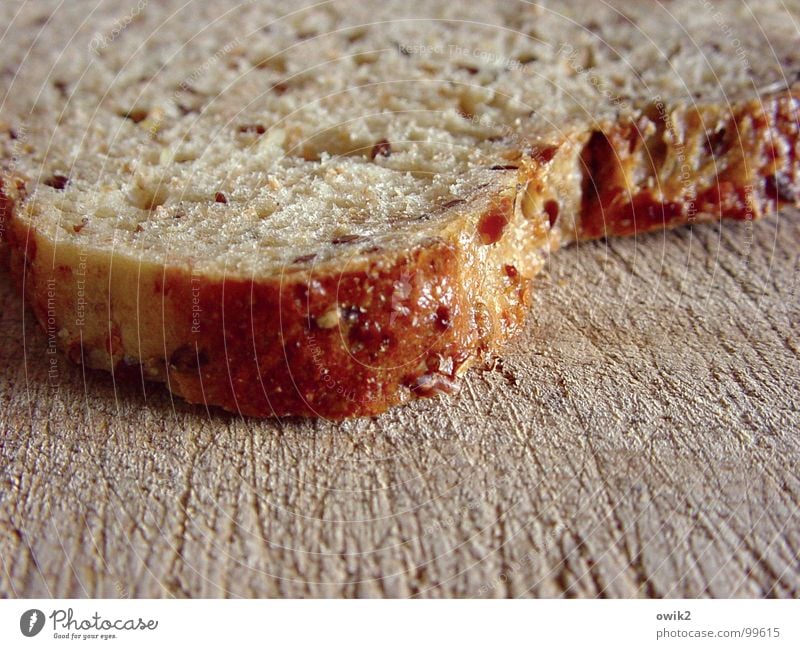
{"type": "Point", "coordinates": [328, 209]}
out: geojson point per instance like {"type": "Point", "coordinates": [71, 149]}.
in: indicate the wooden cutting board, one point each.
{"type": "Point", "coordinates": [641, 438]}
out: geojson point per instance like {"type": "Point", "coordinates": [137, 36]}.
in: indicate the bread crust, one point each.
{"type": "Point", "coordinates": [347, 341]}
{"type": "Point", "coordinates": [335, 343]}
{"type": "Point", "coordinates": [738, 162]}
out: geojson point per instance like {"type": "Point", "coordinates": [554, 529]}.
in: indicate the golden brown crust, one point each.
{"type": "Point", "coordinates": [735, 163]}
{"type": "Point", "coordinates": [355, 341]}
{"type": "Point", "coordinates": [326, 346]}
{"type": "Point", "coordinates": [334, 344]}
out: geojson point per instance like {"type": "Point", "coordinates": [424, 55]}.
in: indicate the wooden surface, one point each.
{"type": "Point", "coordinates": [641, 439]}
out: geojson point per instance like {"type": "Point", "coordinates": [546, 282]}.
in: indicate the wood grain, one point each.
{"type": "Point", "coordinates": [641, 439]}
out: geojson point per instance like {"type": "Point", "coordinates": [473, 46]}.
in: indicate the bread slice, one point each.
{"type": "Point", "coordinates": [331, 209]}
